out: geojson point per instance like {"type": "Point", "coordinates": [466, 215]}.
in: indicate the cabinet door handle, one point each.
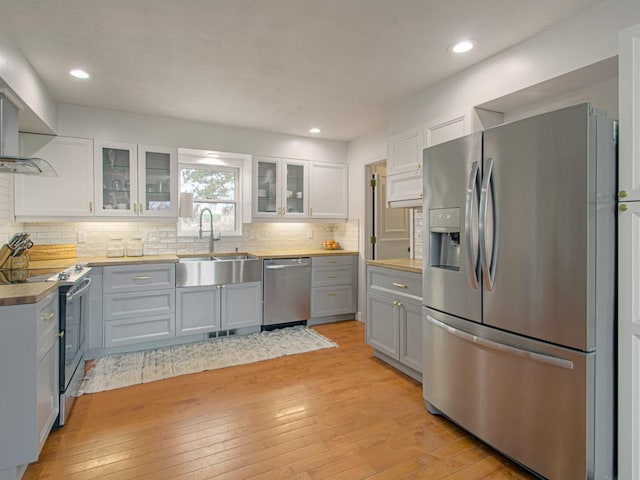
{"type": "Point", "coordinates": [90, 207]}
{"type": "Point", "coordinates": [397, 304]}
{"type": "Point", "coordinates": [135, 208]}
{"type": "Point", "coordinates": [140, 209]}
{"type": "Point", "coordinates": [399, 285]}
{"type": "Point", "coordinates": [61, 334]}
{"type": "Point", "coordinates": [48, 316]}
{"type": "Point", "coordinates": [311, 211]}
{"type": "Point", "coordinates": [141, 277]}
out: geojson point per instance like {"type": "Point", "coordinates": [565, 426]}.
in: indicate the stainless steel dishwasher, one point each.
{"type": "Point", "coordinates": [287, 290]}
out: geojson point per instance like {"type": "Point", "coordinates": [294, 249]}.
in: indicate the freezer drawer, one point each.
{"type": "Point", "coordinates": [532, 401]}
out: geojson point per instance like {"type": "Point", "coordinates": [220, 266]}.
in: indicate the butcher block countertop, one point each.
{"type": "Point", "coordinates": [405, 264]}
{"type": "Point", "coordinates": [23, 293]}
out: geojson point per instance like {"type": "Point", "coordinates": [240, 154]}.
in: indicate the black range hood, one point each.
{"type": "Point", "coordinates": [10, 161]}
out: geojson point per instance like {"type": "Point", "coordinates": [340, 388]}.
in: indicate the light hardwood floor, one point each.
{"type": "Point", "coordinates": [333, 414]}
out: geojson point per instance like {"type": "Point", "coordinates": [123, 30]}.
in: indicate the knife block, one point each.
{"type": "Point", "coordinates": [9, 262]}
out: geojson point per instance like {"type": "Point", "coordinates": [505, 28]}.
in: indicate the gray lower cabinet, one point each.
{"type": "Point", "coordinates": [394, 318]}
{"type": "Point", "coordinates": [197, 310]}
{"type": "Point", "coordinates": [138, 303]}
{"type": "Point", "coordinates": [218, 307]}
{"type": "Point", "coordinates": [333, 285]}
{"type": "Point", "coordinates": [29, 366]}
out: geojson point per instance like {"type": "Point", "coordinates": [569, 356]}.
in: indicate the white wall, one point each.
{"type": "Point", "coordinates": [367, 149]}
{"type": "Point", "coordinates": [16, 74]}
{"type": "Point", "coordinates": [76, 121]}
{"type": "Point", "coordinates": [585, 39]}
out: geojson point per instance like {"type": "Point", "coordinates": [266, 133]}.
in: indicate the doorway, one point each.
{"type": "Point", "coordinates": [388, 230]}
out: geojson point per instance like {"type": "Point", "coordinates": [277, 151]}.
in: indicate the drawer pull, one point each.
{"type": "Point", "coordinates": [332, 294]}
{"type": "Point", "coordinates": [333, 261]}
{"type": "Point", "coordinates": [141, 277]}
{"type": "Point", "coordinates": [399, 285]}
{"type": "Point", "coordinates": [48, 316]}
{"type": "Point", "coordinates": [333, 275]}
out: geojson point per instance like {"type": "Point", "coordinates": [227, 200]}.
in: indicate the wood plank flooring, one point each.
{"type": "Point", "coordinates": [332, 414]}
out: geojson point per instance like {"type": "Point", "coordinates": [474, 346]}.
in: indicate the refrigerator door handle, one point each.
{"type": "Point", "coordinates": [488, 188]}
{"type": "Point", "coordinates": [508, 349]}
{"type": "Point", "coordinates": [472, 248]}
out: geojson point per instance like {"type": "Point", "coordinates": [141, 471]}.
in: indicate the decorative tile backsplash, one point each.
{"type": "Point", "coordinates": [418, 224]}
{"type": "Point", "coordinates": [162, 238]}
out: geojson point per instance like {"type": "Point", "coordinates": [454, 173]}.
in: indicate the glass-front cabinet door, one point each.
{"type": "Point", "coordinates": [295, 199]}
{"type": "Point", "coordinates": [157, 182]}
{"type": "Point", "coordinates": [281, 188]}
{"type": "Point", "coordinates": [116, 177]}
{"type": "Point", "coordinates": [266, 195]}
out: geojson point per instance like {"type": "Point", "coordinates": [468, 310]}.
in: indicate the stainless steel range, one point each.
{"type": "Point", "coordinates": [74, 303]}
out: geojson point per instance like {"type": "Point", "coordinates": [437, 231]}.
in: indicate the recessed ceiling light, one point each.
{"type": "Point", "coordinates": [81, 74]}
{"type": "Point", "coordinates": [314, 130]}
{"type": "Point", "coordinates": [462, 47]}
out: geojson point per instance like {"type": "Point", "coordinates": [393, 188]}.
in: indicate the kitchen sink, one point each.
{"type": "Point", "coordinates": [217, 270]}
{"type": "Point", "coordinates": [234, 257]}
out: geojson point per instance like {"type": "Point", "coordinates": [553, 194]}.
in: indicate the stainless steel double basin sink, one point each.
{"type": "Point", "coordinates": [217, 270]}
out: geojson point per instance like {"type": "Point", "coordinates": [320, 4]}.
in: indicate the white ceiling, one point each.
{"type": "Point", "coordinates": [275, 65]}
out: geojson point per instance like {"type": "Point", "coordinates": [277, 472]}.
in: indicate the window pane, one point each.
{"type": "Point", "coordinates": [223, 214]}
{"type": "Point", "coordinates": [208, 184]}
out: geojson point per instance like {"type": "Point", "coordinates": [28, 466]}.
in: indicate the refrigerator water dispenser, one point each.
{"type": "Point", "coordinates": [444, 238]}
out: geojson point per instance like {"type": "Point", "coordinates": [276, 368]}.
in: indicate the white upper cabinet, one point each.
{"type": "Point", "coordinates": [280, 188]}
{"type": "Point", "coordinates": [629, 112]}
{"type": "Point", "coordinates": [133, 181]}
{"type": "Point", "coordinates": [157, 182]}
{"type": "Point", "coordinates": [405, 152]}
{"type": "Point", "coordinates": [328, 184]}
{"type": "Point", "coordinates": [443, 131]}
{"type": "Point", "coordinates": [72, 158]}
{"type": "Point", "coordinates": [115, 179]}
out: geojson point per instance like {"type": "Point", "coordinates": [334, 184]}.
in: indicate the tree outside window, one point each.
{"type": "Point", "coordinates": [216, 188]}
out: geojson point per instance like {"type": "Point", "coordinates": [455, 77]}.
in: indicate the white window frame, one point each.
{"type": "Point", "coordinates": [223, 161]}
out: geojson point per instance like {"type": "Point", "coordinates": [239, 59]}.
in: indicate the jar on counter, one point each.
{"type": "Point", "coordinates": [135, 247]}
{"type": "Point", "coordinates": [115, 247]}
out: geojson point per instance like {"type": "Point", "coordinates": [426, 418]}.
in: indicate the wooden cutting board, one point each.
{"type": "Point", "coordinates": [52, 252]}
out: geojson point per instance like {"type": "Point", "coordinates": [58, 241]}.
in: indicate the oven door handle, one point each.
{"type": "Point", "coordinates": [79, 290]}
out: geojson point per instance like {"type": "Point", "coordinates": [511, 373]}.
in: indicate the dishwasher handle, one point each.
{"type": "Point", "coordinates": [293, 265]}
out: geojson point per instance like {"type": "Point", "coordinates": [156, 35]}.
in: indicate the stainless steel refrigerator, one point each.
{"type": "Point", "coordinates": [519, 286]}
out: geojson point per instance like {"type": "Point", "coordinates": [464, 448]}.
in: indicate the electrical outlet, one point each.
{"type": "Point", "coordinates": [82, 236]}
{"type": "Point", "coordinates": [310, 233]}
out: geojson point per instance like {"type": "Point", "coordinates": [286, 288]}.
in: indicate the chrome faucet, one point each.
{"type": "Point", "coordinates": [211, 237]}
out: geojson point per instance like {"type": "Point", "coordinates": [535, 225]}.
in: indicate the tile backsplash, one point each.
{"type": "Point", "coordinates": [162, 238]}
{"type": "Point", "coordinates": [418, 224]}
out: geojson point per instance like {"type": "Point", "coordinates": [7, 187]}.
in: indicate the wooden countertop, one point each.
{"type": "Point", "coordinates": [405, 264]}
{"type": "Point", "coordinates": [24, 293]}
{"type": "Point", "coordinates": [283, 253]}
